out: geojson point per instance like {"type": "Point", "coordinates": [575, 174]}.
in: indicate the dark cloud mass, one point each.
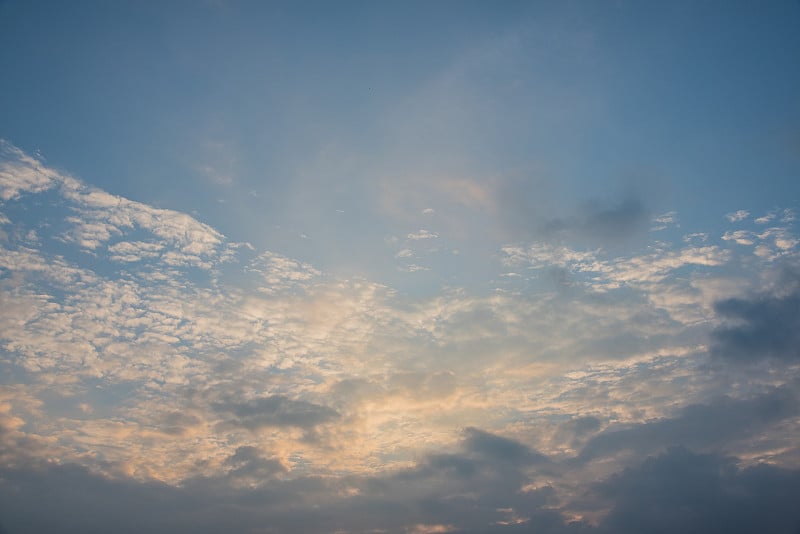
{"type": "Point", "coordinates": [759, 328]}
{"type": "Point", "coordinates": [499, 448]}
{"type": "Point", "coordinates": [248, 462]}
{"type": "Point", "coordinates": [680, 491]}
{"type": "Point", "coordinates": [473, 488]}
{"type": "Point", "coordinates": [275, 410]}
{"type": "Point", "coordinates": [701, 426]}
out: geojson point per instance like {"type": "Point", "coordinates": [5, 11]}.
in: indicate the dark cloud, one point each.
{"type": "Point", "coordinates": [700, 425]}
{"type": "Point", "coordinates": [680, 491]}
{"type": "Point", "coordinates": [475, 488]}
{"type": "Point", "coordinates": [68, 498]}
{"type": "Point", "coordinates": [601, 223]}
{"type": "Point", "coordinates": [577, 430]}
{"type": "Point", "coordinates": [177, 423]}
{"type": "Point", "coordinates": [532, 210]}
{"type": "Point", "coordinates": [489, 446]}
{"type": "Point", "coordinates": [762, 327]}
{"type": "Point", "coordinates": [275, 410]}
{"type": "Point", "coordinates": [583, 425]}
{"type": "Point", "coordinates": [248, 462]}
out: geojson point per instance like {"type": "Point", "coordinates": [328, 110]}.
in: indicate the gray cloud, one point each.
{"type": "Point", "coordinates": [700, 425]}
{"type": "Point", "coordinates": [276, 410]}
{"type": "Point", "coordinates": [248, 462]}
{"type": "Point", "coordinates": [177, 423]}
{"type": "Point", "coordinates": [602, 223]}
{"type": "Point", "coordinates": [529, 209]}
{"type": "Point", "coordinates": [490, 446]}
{"type": "Point", "coordinates": [762, 327]}
{"type": "Point", "coordinates": [577, 430]}
{"type": "Point", "coordinates": [680, 491]}
{"type": "Point", "coordinates": [475, 488]}
{"type": "Point", "coordinates": [598, 223]}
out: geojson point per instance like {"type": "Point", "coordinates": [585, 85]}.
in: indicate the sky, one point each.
{"type": "Point", "coordinates": [399, 267]}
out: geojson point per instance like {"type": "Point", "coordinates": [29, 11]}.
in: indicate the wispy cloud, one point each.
{"type": "Point", "coordinates": [422, 234]}
{"type": "Point", "coordinates": [736, 216]}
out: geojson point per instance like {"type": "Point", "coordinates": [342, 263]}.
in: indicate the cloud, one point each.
{"type": "Point", "coordinates": [20, 173]}
{"type": "Point", "coordinates": [422, 234]}
{"type": "Point", "coordinates": [714, 426]}
{"type": "Point", "coordinates": [663, 221]}
{"type": "Point", "coordinates": [275, 410]}
{"type": "Point", "coordinates": [737, 215]}
{"type": "Point", "coordinates": [499, 448]}
{"type": "Point", "coordinates": [771, 244]}
{"type": "Point", "coordinates": [259, 386]}
{"type": "Point", "coordinates": [760, 327]}
{"type": "Point", "coordinates": [676, 491]}
{"type": "Point", "coordinates": [604, 273]}
{"type": "Point", "coordinates": [281, 273]}
{"type": "Point", "coordinates": [134, 251]}
{"type": "Point", "coordinates": [100, 219]}
{"type": "Point", "coordinates": [740, 237]}
{"type": "Point", "coordinates": [465, 490]}
{"type": "Point", "coordinates": [681, 491]}
{"type": "Point", "coordinates": [599, 223]}
{"type": "Point", "coordinates": [247, 463]}
{"type": "Point", "coordinates": [413, 268]}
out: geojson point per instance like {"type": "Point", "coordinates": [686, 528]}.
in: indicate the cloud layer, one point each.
{"type": "Point", "coordinates": [149, 362]}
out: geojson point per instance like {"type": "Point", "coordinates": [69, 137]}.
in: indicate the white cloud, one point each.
{"type": "Point", "coordinates": [414, 268]}
{"type": "Point", "coordinates": [663, 221]}
{"type": "Point", "coordinates": [20, 173]}
{"type": "Point", "coordinates": [133, 251]}
{"type": "Point", "coordinates": [608, 273]}
{"type": "Point", "coordinates": [740, 237]}
{"type": "Point", "coordinates": [281, 273]}
{"type": "Point", "coordinates": [701, 237]}
{"type": "Point", "coordinates": [100, 217]}
{"type": "Point", "coordinates": [422, 234]}
{"type": "Point", "coordinates": [737, 215]}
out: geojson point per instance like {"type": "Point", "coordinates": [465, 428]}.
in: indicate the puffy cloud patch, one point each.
{"type": "Point", "coordinates": [737, 216]}
{"type": "Point", "coordinates": [21, 173]}
{"type": "Point", "coordinates": [663, 221]}
{"type": "Point", "coordinates": [281, 273]}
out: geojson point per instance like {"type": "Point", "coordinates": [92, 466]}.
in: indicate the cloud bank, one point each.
{"type": "Point", "coordinates": [161, 376]}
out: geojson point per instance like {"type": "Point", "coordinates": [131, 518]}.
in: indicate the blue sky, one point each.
{"type": "Point", "coordinates": [414, 267]}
